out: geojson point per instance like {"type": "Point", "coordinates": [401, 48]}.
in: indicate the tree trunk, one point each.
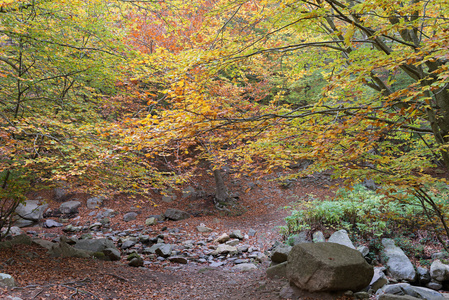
{"type": "Point", "coordinates": [221, 194]}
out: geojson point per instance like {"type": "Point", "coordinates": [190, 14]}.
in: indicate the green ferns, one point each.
{"type": "Point", "coordinates": [363, 212]}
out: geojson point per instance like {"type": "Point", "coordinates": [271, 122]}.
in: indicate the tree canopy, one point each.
{"type": "Point", "coordinates": [357, 87]}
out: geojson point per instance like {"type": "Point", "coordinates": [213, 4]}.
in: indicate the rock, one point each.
{"type": "Point", "coordinates": [22, 239]}
{"type": "Point", "coordinates": [94, 202]}
{"type": "Point", "coordinates": [341, 237]}
{"type": "Point", "coordinates": [176, 214]}
{"type": "Point", "coordinates": [62, 249]}
{"type": "Point", "coordinates": [438, 255]}
{"type": "Point", "coordinates": [280, 253]}
{"type": "Point", "coordinates": [94, 245]}
{"type": "Point", "coordinates": [278, 270]}
{"type": "Point", "coordinates": [128, 244]}
{"type": "Point", "coordinates": [379, 279]}
{"type": "Point", "coordinates": [7, 280]}
{"type": "Point", "coordinates": [439, 271]}
{"type": "Point", "coordinates": [236, 234]}
{"type": "Point", "coordinates": [233, 242]}
{"type": "Point", "coordinates": [31, 210]}
{"type": "Point", "coordinates": [43, 243]}
{"type": "Point", "coordinates": [396, 297]}
{"type": "Point", "coordinates": [216, 264]}
{"type": "Point", "coordinates": [243, 248]}
{"type": "Point", "coordinates": [164, 250]}
{"type": "Point", "coordinates": [222, 238]}
{"type": "Point", "coordinates": [71, 228]}
{"type": "Point", "coordinates": [224, 249]}
{"type": "Point", "coordinates": [423, 276]}
{"type": "Point", "coordinates": [318, 237]}
{"type": "Point", "coordinates": [317, 267]}
{"type": "Point", "coordinates": [299, 238]}
{"type": "Point", "coordinates": [130, 216]}
{"type": "Point", "coordinates": [178, 259]}
{"type": "Point", "coordinates": [70, 207]}
{"type": "Point", "coordinates": [51, 223]}
{"type": "Point", "coordinates": [434, 285]}
{"type": "Point", "coordinates": [405, 289]}
{"type": "Point", "coordinates": [398, 265]}
{"type": "Point", "coordinates": [252, 232]}
{"type": "Point", "coordinates": [361, 295]}
{"type": "Point", "coordinates": [151, 221]}
{"type": "Point", "coordinates": [154, 247]}
{"type": "Point", "coordinates": [19, 222]}
{"type": "Point", "coordinates": [203, 228]}
{"type": "Point", "coordinates": [112, 253]}
{"type": "Point", "coordinates": [244, 267]}
{"type": "Point", "coordinates": [14, 230]}
{"type": "Point", "coordinates": [364, 250]}
{"type": "Point", "coordinates": [136, 262]}
{"type": "Point", "coordinates": [106, 213]}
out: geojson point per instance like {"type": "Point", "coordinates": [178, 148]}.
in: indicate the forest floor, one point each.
{"type": "Point", "coordinates": [262, 202]}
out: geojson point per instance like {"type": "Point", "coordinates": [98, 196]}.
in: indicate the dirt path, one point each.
{"type": "Point", "coordinates": [41, 277]}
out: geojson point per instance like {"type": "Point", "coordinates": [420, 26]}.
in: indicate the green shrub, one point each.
{"type": "Point", "coordinates": [363, 212]}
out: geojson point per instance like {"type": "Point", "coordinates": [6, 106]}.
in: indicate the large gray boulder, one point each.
{"type": "Point", "coordinates": [341, 237]}
{"type": "Point", "coordinates": [176, 214]}
{"type": "Point", "coordinates": [31, 210]}
{"type": "Point", "coordinates": [94, 245]}
{"type": "Point", "coordinates": [439, 271]}
{"type": "Point", "coordinates": [318, 267]}
{"type": "Point", "coordinates": [398, 265]}
{"type": "Point", "coordinates": [70, 207]}
{"type": "Point", "coordinates": [62, 249]}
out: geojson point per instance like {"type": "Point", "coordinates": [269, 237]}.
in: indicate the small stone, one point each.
{"type": "Point", "coordinates": [361, 295]}
{"type": "Point", "coordinates": [51, 223]}
{"type": "Point", "coordinates": [364, 250]}
{"type": "Point", "coordinates": [6, 280]}
{"type": "Point", "coordinates": [434, 285]}
{"type": "Point", "coordinates": [178, 259]}
{"type": "Point", "coordinates": [222, 238]}
{"type": "Point", "coordinates": [130, 216]}
{"type": "Point", "coordinates": [252, 232]}
{"type": "Point", "coordinates": [151, 221]}
{"type": "Point", "coordinates": [243, 248]}
{"type": "Point", "coordinates": [136, 262]}
{"type": "Point", "coordinates": [69, 207]}
{"type": "Point", "coordinates": [128, 244]}
{"type": "Point", "coordinates": [318, 237]}
{"type": "Point", "coordinates": [224, 249]}
{"type": "Point", "coordinates": [216, 264]}
{"type": "Point", "coordinates": [112, 253]}
{"type": "Point", "coordinates": [203, 228]}
{"type": "Point", "coordinates": [233, 242]}
{"type": "Point", "coordinates": [165, 250]}
{"type": "Point", "coordinates": [244, 267]}
{"type": "Point", "coordinates": [236, 234]}
{"type": "Point", "coordinates": [341, 237]}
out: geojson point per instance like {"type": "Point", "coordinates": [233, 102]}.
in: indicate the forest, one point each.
{"type": "Point", "coordinates": [131, 97]}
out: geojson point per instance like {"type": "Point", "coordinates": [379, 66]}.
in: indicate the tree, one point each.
{"type": "Point", "coordinates": [383, 114]}
{"type": "Point", "coordinates": [57, 61]}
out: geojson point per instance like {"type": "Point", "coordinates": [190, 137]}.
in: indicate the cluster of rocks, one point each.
{"type": "Point", "coordinates": [325, 270]}
{"type": "Point", "coordinates": [142, 245]}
